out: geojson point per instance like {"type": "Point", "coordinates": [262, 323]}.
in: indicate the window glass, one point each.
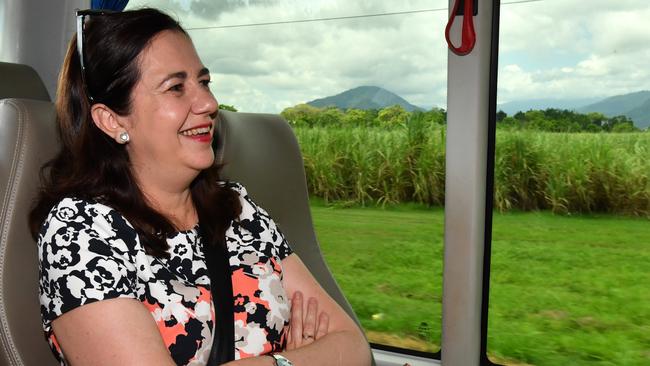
{"type": "Point", "coordinates": [375, 161]}
{"type": "Point", "coordinates": [571, 240]}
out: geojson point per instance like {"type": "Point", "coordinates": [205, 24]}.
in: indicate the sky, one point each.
{"type": "Point", "coordinates": [559, 49]}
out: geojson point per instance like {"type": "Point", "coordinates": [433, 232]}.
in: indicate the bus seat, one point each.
{"type": "Point", "coordinates": [261, 152]}
{"type": "Point", "coordinates": [26, 141]}
{"type": "Point", "coordinates": [21, 81]}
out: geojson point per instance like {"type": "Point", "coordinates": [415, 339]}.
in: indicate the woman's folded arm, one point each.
{"type": "Point", "coordinates": [343, 344]}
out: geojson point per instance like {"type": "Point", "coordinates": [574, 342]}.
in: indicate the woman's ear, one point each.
{"type": "Point", "coordinates": [109, 122]}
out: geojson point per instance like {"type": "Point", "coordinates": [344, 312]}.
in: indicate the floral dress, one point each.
{"type": "Point", "coordinates": [89, 252]}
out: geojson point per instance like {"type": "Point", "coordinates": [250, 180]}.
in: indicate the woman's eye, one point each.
{"type": "Point", "coordinates": [177, 88]}
{"type": "Point", "coordinates": [205, 82]}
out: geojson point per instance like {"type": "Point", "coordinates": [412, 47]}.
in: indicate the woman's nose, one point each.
{"type": "Point", "coordinates": [205, 102]}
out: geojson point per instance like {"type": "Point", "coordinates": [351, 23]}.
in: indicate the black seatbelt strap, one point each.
{"type": "Point", "coordinates": [223, 343]}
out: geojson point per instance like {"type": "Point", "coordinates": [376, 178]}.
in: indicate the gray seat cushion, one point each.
{"type": "Point", "coordinates": [21, 81]}
{"type": "Point", "coordinates": [27, 140]}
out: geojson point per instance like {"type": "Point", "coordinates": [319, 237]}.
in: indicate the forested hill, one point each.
{"type": "Point", "coordinates": [635, 106]}
{"type": "Point", "coordinates": [365, 98]}
{"type": "Point", "coordinates": [523, 105]}
{"type": "Point", "coordinates": [641, 115]}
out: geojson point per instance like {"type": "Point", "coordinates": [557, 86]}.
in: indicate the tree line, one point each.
{"type": "Point", "coordinates": [563, 120]}
{"type": "Point", "coordinates": [548, 120]}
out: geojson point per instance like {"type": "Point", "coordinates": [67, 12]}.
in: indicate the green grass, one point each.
{"type": "Point", "coordinates": [388, 264]}
{"type": "Point", "coordinates": [566, 173]}
{"type": "Point", "coordinates": [565, 290]}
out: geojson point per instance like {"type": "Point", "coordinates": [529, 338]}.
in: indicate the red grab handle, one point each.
{"type": "Point", "coordinates": [468, 35]}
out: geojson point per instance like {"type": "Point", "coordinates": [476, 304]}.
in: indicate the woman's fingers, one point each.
{"type": "Point", "coordinates": [305, 329]}
{"type": "Point", "coordinates": [323, 325]}
{"type": "Point", "coordinates": [309, 325]}
{"type": "Point", "coordinates": [290, 344]}
{"type": "Point", "coordinates": [296, 319]}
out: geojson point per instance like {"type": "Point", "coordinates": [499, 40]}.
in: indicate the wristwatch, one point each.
{"type": "Point", "coordinates": [280, 360]}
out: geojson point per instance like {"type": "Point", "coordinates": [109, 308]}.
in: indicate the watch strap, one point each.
{"type": "Point", "coordinates": [280, 360]}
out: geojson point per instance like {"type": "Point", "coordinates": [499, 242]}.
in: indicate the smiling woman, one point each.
{"type": "Point", "coordinates": [133, 216]}
{"type": "Point", "coordinates": [309, 49]}
{"type": "Point", "coordinates": [551, 56]}
{"type": "Point", "coordinates": [128, 150]}
{"type": "Point", "coordinates": [145, 256]}
{"type": "Point", "coordinates": [165, 121]}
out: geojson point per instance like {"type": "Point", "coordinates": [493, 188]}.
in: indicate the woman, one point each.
{"type": "Point", "coordinates": [123, 274]}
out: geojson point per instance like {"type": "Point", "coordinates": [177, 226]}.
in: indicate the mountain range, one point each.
{"type": "Point", "coordinates": [524, 105]}
{"type": "Point", "coordinates": [364, 97]}
{"type": "Point", "coordinates": [635, 106]}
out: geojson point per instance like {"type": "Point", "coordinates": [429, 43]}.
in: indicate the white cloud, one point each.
{"type": "Point", "coordinates": [565, 50]}
{"type": "Point", "coordinates": [549, 49]}
{"type": "Point", "coordinates": [272, 67]}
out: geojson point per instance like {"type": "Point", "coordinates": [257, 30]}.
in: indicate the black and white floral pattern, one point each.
{"type": "Point", "coordinates": [89, 252]}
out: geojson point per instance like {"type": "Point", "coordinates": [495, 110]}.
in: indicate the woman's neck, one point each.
{"type": "Point", "coordinates": [175, 204]}
{"type": "Point", "coordinates": [180, 211]}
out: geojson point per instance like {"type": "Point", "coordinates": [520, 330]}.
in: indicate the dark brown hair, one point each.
{"type": "Point", "coordinates": [91, 165]}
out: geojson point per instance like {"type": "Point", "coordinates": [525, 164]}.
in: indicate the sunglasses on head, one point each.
{"type": "Point", "coordinates": [82, 15]}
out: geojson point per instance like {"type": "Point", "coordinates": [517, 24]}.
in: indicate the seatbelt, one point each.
{"type": "Point", "coordinates": [223, 342]}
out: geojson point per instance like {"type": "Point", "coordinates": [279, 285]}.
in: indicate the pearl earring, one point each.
{"type": "Point", "coordinates": [124, 137]}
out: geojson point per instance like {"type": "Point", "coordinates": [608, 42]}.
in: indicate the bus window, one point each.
{"type": "Point", "coordinates": [569, 273]}
{"type": "Point", "coordinates": [373, 150]}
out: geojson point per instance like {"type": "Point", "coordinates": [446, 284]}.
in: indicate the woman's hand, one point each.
{"type": "Point", "coordinates": [331, 338]}
{"type": "Point", "coordinates": [304, 330]}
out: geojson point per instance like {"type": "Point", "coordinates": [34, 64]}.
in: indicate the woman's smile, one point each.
{"type": "Point", "coordinates": [202, 133]}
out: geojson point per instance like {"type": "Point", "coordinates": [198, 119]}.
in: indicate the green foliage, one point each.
{"type": "Point", "coordinates": [562, 172]}
{"type": "Point", "coordinates": [227, 107]}
{"type": "Point", "coordinates": [562, 120]}
{"type": "Point", "coordinates": [391, 155]}
{"type": "Point", "coordinates": [549, 120]}
{"type": "Point", "coordinates": [627, 126]}
{"type": "Point", "coordinates": [301, 115]}
{"type": "Point", "coordinates": [304, 115]}
{"type": "Point", "coordinates": [570, 173]}
{"type": "Point", "coordinates": [330, 116]}
{"type": "Point", "coordinates": [516, 179]}
{"type": "Point", "coordinates": [359, 118]}
{"type": "Point", "coordinates": [392, 116]}
{"type": "Point", "coordinates": [436, 116]}
{"type": "Point", "coordinates": [501, 115]}
{"type": "Point", "coordinates": [366, 165]}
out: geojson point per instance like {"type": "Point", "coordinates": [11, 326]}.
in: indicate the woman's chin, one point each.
{"type": "Point", "coordinates": [205, 163]}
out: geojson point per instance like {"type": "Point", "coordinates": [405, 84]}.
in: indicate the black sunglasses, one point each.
{"type": "Point", "coordinates": [81, 19]}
